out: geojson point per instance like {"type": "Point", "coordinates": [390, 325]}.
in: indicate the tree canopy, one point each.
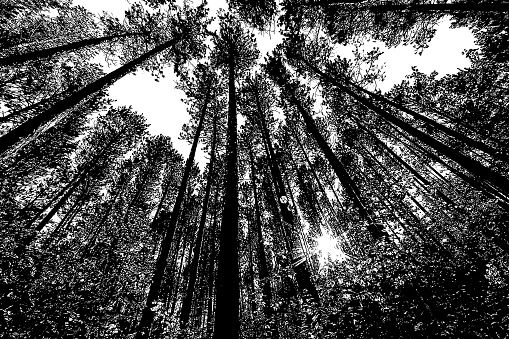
{"type": "Point", "coordinates": [326, 208]}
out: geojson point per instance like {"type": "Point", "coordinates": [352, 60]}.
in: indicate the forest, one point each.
{"type": "Point", "coordinates": [107, 231]}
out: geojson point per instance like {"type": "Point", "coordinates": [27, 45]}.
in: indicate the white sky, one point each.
{"type": "Point", "coordinates": [443, 55]}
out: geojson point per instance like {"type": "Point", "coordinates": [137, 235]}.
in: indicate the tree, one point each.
{"type": "Point", "coordinates": [155, 285]}
{"type": "Point", "coordinates": [183, 30]}
{"type": "Point", "coordinates": [106, 233]}
{"type": "Point", "coordinates": [235, 52]}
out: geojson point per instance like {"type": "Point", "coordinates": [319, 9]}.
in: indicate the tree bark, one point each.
{"type": "Point", "coordinates": [210, 273]}
{"type": "Point", "coordinates": [263, 271]}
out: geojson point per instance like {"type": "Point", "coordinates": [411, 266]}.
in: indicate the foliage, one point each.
{"type": "Point", "coordinates": [106, 233]}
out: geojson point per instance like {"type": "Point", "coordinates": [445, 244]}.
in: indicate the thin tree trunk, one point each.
{"type": "Point", "coordinates": [66, 220]}
{"type": "Point", "coordinates": [186, 303]}
{"type": "Point", "coordinates": [210, 273]}
{"type": "Point", "coordinates": [263, 271]}
{"type": "Point", "coordinates": [347, 182]}
{"type": "Point", "coordinates": [315, 175]}
{"type": "Point", "coordinates": [494, 179]}
{"type": "Point", "coordinates": [251, 295]}
{"type": "Point", "coordinates": [459, 136]}
{"type": "Point", "coordinates": [53, 200]}
{"type": "Point", "coordinates": [299, 262]}
{"type": "Point", "coordinates": [157, 278]}
{"type": "Point", "coordinates": [34, 124]}
{"type": "Point", "coordinates": [49, 52]}
{"type": "Point", "coordinates": [97, 229]}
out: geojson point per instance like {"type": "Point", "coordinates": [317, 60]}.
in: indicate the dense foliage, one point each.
{"type": "Point", "coordinates": [108, 232]}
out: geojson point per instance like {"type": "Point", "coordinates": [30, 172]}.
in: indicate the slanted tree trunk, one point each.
{"type": "Point", "coordinates": [34, 124]}
{"type": "Point", "coordinates": [147, 317]}
{"type": "Point", "coordinates": [49, 52]}
{"type": "Point", "coordinates": [459, 136]}
{"type": "Point", "coordinates": [351, 189]}
{"type": "Point", "coordinates": [299, 262]}
{"type": "Point", "coordinates": [499, 183]}
{"type": "Point", "coordinates": [193, 272]}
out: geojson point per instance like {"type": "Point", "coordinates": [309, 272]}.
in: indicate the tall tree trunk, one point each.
{"type": "Point", "coordinates": [105, 215]}
{"type": "Point", "coordinates": [148, 314]}
{"type": "Point", "coordinates": [58, 205]}
{"type": "Point", "coordinates": [299, 262]}
{"type": "Point", "coordinates": [263, 271]}
{"type": "Point", "coordinates": [186, 303]}
{"type": "Point", "coordinates": [349, 185]}
{"type": "Point", "coordinates": [49, 52]}
{"type": "Point", "coordinates": [227, 321]}
{"type": "Point", "coordinates": [64, 222]}
{"type": "Point", "coordinates": [474, 182]}
{"type": "Point", "coordinates": [210, 273]}
{"type": "Point", "coordinates": [251, 287]}
{"type": "Point", "coordinates": [315, 175]}
{"type": "Point", "coordinates": [78, 177]}
{"type": "Point", "coordinates": [56, 197]}
{"type": "Point", "coordinates": [497, 181]}
{"type": "Point", "coordinates": [459, 136]}
{"type": "Point", "coordinates": [35, 123]}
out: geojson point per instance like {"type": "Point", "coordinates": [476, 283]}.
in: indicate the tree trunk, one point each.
{"type": "Point", "coordinates": [263, 271]}
{"type": "Point", "coordinates": [315, 175]}
{"type": "Point", "coordinates": [459, 136]}
{"type": "Point", "coordinates": [29, 238]}
{"type": "Point", "coordinates": [299, 262]}
{"type": "Point", "coordinates": [227, 322]}
{"type": "Point", "coordinates": [34, 124]}
{"type": "Point", "coordinates": [497, 181]}
{"type": "Point", "coordinates": [49, 52]}
{"type": "Point", "coordinates": [210, 273]}
{"type": "Point", "coordinates": [148, 314]}
{"type": "Point", "coordinates": [186, 303]}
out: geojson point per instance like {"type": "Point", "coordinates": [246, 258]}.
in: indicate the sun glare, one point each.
{"type": "Point", "coordinates": [327, 249]}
